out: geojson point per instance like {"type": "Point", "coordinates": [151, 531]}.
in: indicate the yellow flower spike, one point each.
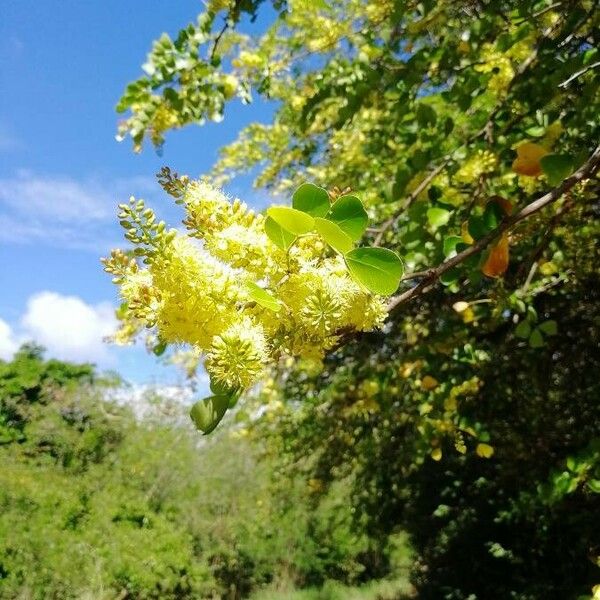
{"type": "Point", "coordinates": [238, 355]}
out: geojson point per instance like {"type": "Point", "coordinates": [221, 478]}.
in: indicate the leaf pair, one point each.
{"type": "Point", "coordinates": [344, 222]}
{"type": "Point", "coordinates": [340, 225]}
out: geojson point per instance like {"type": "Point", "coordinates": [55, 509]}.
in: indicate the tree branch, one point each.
{"type": "Point", "coordinates": [587, 170]}
{"type": "Point", "coordinates": [566, 82]}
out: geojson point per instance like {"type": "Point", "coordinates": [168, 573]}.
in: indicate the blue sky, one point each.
{"type": "Point", "coordinates": [63, 66]}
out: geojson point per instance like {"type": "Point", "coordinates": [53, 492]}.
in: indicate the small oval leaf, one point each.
{"type": "Point", "coordinates": [350, 215]}
{"type": "Point", "coordinates": [278, 235]}
{"type": "Point", "coordinates": [262, 297]}
{"type": "Point", "coordinates": [556, 167]}
{"type": "Point", "coordinates": [378, 269]}
{"type": "Point", "coordinates": [549, 327]}
{"type": "Point", "coordinates": [207, 414]}
{"type": "Point", "coordinates": [311, 199]}
{"type": "Point", "coordinates": [536, 339]}
{"type": "Point", "coordinates": [438, 217]}
{"type": "Point", "coordinates": [523, 330]}
{"type": "Point", "coordinates": [334, 235]}
{"type": "Point", "coordinates": [450, 245]}
{"type": "Point", "coordinates": [292, 220]}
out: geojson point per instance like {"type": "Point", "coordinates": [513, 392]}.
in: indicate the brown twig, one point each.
{"type": "Point", "coordinates": [587, 170]}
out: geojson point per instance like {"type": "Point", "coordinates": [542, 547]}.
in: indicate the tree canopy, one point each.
{"type": "Point", "coordinates": [427, 305]}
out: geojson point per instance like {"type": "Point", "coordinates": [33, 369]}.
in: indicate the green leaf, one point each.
{"type": "Point", "coordinates": [426, 115]}
{"type": "Point", "coordinates": [378, 269]}
{"type": "Point", "coordinates": [278, 235]}
{"type": "Point", "coordinates": [476, 227]}
{"type": "Point", "coordinates": [311, 199]}
{"type": "Point", "coordinates": [160, 348]}
{"type": "Point", "coordinates": [438, 217]}
{"type": "Point", "coordinates": [549, 327]}
{"type": "Point", "coordinates": [403, 176]}
{"type": "Point", "coordinates": [492, 215]}
{"type": "Point", "coordinates": [292, 220]}
{"type": "Point", "coordinates": [594, 485]}
{"type": "Point", "coordinates": [450, 244]}
{"type": "Point", "coordinates": [262, 297]}
{"type": "Point", "coordinates": [536, 339]}
{"type": "Point", "coordinates": [349, 213]}
{"type": "Point", "coordinates": [334, 235]}
{"type": "Point", "coordinates": [523, 330]}
{"type": "Point", "coordinates": [206, 414]}
{"type": "Point", "coordinates": [535, 131]}
{"type": "Point", "coordinates": [556, 167]}
{"type": "Point", "coordinates": [451, 276]}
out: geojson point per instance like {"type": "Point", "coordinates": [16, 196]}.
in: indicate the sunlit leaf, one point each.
{"type": "Point", "coordinates": [450, 244]}
{"type": "Point", "coordinates": [438, 217]}
{"type": "Point", "coordinates": [262, 297]}
{"type": "Point", "coordinates": [292, 220]}
{"type": "Point", "coordinates": [333, 235]}
{"type": "Point", "coordinates": [278, 235]}
{"type": "Point", "coordinates": [350, 215]}
{"type": "Point", "coordinates": [311, 199]}
{"type": "Point", "coordinates": [378, 269]}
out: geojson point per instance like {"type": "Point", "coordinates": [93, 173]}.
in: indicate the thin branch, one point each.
{"type": "Point", "coordinates": [218, 39]}
{"type": "Point", "coordinates": [413, 195]}
{"type": "Point", "coordinates": [587, 170]}
{"type": "Point", "coordinates": [566, 82]}
{"type": "Point", "coordinates": [231, 18]}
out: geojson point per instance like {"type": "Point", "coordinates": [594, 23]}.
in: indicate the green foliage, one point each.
{"type": "Point", "coordinates": [482, 447]}
{"type": "Point", "coordinates": [95, 503]}
{"type": "Point", "coordinates": [471, 422]}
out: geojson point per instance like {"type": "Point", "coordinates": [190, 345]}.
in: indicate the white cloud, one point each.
{"type": "Point", "coordinates": [8, 343]}
{"type": "Point", "coordinates": [63, 211]}
{"type": "Point", "coordinates": [69, 328]}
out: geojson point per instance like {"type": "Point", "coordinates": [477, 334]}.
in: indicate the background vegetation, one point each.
{"type": "Point", "coordinates": [96, 504]}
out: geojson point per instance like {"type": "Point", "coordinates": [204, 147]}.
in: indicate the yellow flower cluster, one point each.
{"type": "Point", "coordinates": [481, 163]}
{"type": "Point", "coordinates": [199, 289]}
